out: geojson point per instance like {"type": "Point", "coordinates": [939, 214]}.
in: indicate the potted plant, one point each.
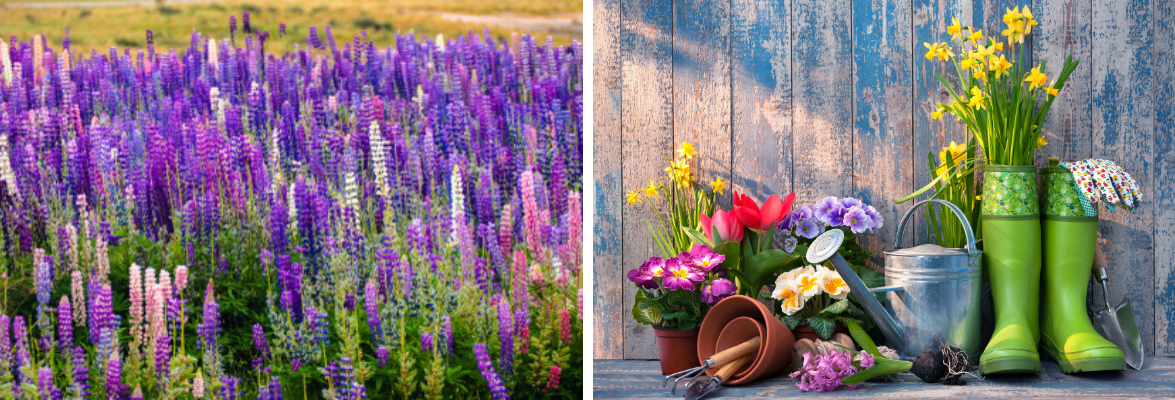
{"type": "Point", "coordinates": [675, 295]}
{"type": "Point", "coordinates": [677, 287]}
{"type": "Point", "coordinates": [813, 300]}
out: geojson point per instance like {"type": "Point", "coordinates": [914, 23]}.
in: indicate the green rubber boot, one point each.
{"type": "Point", "coordinates": [1067, 335]}
{"type": "Point", "coordinates": [1011, 246]}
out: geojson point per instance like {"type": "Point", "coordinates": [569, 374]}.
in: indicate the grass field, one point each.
{"type": "Point", "coordinates": [123, 26]}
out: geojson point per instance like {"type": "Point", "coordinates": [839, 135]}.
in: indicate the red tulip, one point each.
{"type": "Point", "coordinates": [729, 229]}
{"type": "Point", "coordinates": [761, 219]}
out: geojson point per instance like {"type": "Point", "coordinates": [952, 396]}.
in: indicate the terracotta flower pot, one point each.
{"type": "Point", "coordinates": [738, 332]}
{"type": "Point", "coordinates": [678, 349]}
{"type": "Point", "coordinates": [806, 332]}
{"type": "Point", "coordinates": [775, 355]}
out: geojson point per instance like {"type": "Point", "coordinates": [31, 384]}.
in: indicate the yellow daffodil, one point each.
{"type": "Point", "coordinates": [980, 73]}
{"type": "Point", "coordinates": [679, 171]}
{"type": "Point", "coordinates": [1000, 65]}
{"type": "Point", "coordinates": [687, 150]}
{"type": "Point", "coordinates": [1036, 78]}
{"type": "Point", "coordinates": [937, 114]}
{"type": "Point", "coordinates": [997, 45]}
{"type": "Point", "coordinates": [976, 35]}
{"type": "Point", "coordinates": [967, 64]}
{"type": "Point", "coordinates": [955, 30]}
{"type": "Point", "coordinates": [958, 152]}
{"type": "Point", "coordinates": [1029, 22]}
{"type": "Point", "coordinates": [977, 97]}
{"type": "Point", "coordinates": [940, 50]}
{"type": "Point", "coordinates": [651, 191]}
{"type": "Point", "coordinates": [633, 197]}
{"type": "Point", "coordinates": [718, 185]}
{"type": "Point", "coordinates": [1015, 21]}
{"type": "Point", "coordinates": [1052, 91]}
{"type": "Point", "coordinates": [1040, 142]}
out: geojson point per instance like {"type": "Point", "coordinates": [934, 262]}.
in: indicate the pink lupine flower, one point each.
{"type": "Point", "coordinates": [553, 377]}
{"type": "Point", "coordinates": [565, 325]}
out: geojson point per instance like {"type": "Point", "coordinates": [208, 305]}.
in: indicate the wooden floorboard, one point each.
{"type": "Point", "coordinates": [642, 379]}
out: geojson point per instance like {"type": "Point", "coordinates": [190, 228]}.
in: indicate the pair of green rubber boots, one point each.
{"type": "Point", "coordinates": [1017, 238]}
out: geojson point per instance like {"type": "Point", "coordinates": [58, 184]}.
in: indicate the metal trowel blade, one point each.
{"type": "Point", "coordinates": [1130, 336]}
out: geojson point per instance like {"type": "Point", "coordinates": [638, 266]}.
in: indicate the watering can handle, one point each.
{"type": "Point", "coordinates": [971, 248]}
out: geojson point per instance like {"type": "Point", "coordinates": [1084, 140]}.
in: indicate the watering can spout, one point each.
{"type": "Point", "coordinates": [825, 248]}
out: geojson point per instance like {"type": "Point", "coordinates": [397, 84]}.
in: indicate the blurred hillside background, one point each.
{"type": "Point", "coordinates": [99, 24]}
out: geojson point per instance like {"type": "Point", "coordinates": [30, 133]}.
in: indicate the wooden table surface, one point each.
{"type": "Point", "coordinates": [642, 379]}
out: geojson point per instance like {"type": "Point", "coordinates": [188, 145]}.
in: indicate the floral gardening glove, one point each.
{"type": "Point", "coordinates": [1096, 178]}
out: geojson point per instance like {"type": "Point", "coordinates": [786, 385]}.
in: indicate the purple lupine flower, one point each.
{"type": "Point", "coordinates": [497, 389]}
{"type": "Point", "coordinates": [114, 377]}
{"type": "Point", "coordinates": [506, 338]}
{"type": "Point", "coordinates": [273, 391]}
{"type": "Point", "coordinates": [45, 383]}
{"type": "Point", "coordinates": [230, 388]}
{"type": "Point", "coordinates": [259, 341]}
{"type": "Point", "coordinates": [65, 323]}
{"type": "Point", "coordinates": [282, 28]}
{"type": "Point", "coordinates": [381, 354]}
{"type": "Point", "coordinates": [209, 327]}
{"type": "Point", "coordinates": [426, 342]}
{"type": "Point", "coordinates": [349, 302]}
{"type": "Point", "coordinates": [81, 373]}
{"type": "Point", "coordinates": [162, 355]}
{"type": "Point", "coordinates": [447, 334]}
{"type": "Point", "coordinates": [371, 307]}
{"type": "Point", "coordinates": [245, 20]}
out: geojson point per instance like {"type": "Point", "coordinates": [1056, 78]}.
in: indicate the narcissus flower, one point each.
{"type": "Point", "coordinates": [955, 30]}
{"type": "Point", "coordinates": [1036, 78]}
{"type": "Point", "coordinates": [937, 114]}
{"type": "Point", "coordinates": [651, 191]}
{"type": "Point", "coordinates": [633, 197]}
{"type": "Point", "coordinates": [718, 185]}
{"type": "Point", "coordinates": [1000, 65]}
{"type": "Point", "coordinates": [977, 97]}
{"type": "Point", "coordinates": [1040, 142]}
{"type": "Point", "coordinates": [1052, 91]}
{"type": "Point", "coordinates": [687, 150]}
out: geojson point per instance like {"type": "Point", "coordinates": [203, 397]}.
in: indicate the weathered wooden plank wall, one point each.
{"type": "Point", "coordinates": [832, 97]}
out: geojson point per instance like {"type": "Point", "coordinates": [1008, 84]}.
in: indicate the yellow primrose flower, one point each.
{"type": "Point", "coordinates": [1040, 142]}
{"type": "Point", "coordinates": [718, 185]}
{"type": "Point", "coordinates": [955, 30]}
{"type": "Point", "coordinates": [687, 150]}
{"type": "Point", "coordinates": [633, 197]}
{"type": "Point", "coordinates": [977, 96]}
{"type": "Point", "coordinates": [1036, 78]}
{"type": "Point", "coordinates": [1000, 65]}
{"type": "Point", "coordinates": [651, 191]}
{"type": "Point", "coordinates": [1052, 91]}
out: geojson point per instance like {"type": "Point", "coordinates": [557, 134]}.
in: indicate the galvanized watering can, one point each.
{"type": "Point", "coordinates": [933, 292]}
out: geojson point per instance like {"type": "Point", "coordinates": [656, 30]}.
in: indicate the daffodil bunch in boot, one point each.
{"type": "Point", "coordinates": [997, 100]}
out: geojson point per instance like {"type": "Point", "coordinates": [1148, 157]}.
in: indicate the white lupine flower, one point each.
{"type": "Point", "coordinates": [379, 157]}
{"type": "Point", "coordinates": [456, 200]}
{"type": "Point", "coordinates": [213, 55]}
{"type": "Point", "coordinates": [6, 171]}
{"type": "Point", "coordinates": [6, 61]}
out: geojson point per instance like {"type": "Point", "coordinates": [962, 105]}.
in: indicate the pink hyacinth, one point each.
{"type": "Point", "coordinates": [823, 372]}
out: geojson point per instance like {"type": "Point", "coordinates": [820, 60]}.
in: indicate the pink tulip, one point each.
{"type": "Point", "coordinates": [729, 228]}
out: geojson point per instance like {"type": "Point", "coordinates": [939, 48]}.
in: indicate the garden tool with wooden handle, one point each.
{"type": "Point", "coordinates": [698, 390]}
{"type": "Point", "coordinates": [1117, 323]}
{"type": "Point", "coordinates": [749, 347]}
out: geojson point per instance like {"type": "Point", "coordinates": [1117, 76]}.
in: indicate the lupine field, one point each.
{"type": "Point", "coordinates": [345, 220]}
